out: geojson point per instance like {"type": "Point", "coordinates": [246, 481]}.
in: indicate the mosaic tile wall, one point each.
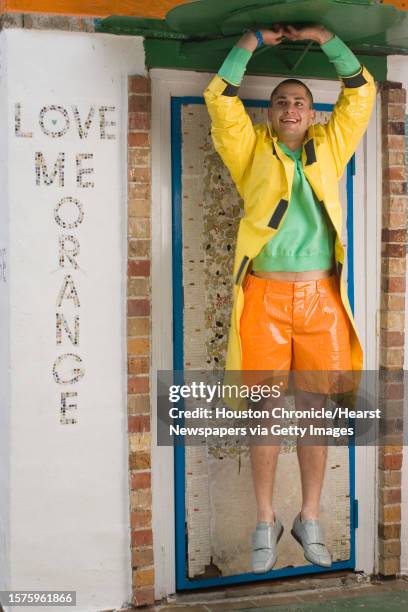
{"type": "Point", "coordinates": [219, 495]}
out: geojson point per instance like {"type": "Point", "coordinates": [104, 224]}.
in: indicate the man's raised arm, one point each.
{"type": "Point", "coordinates": [231, 128]}
{"type": "Point", "coordinates": [351, 114]}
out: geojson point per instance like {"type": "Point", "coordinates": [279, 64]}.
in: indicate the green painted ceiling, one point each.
{"type": "Point", "coordinates": [199, 34]}
{"type": "Point", "coordinates": [351, 20]}
{"type": "Point", "coordinates": [368, 25]}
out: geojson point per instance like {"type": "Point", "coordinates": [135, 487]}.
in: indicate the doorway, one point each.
{"type": "Point", "coordinates": [168, 84]}
{"type": "Point", "coordinates": [215, 505]}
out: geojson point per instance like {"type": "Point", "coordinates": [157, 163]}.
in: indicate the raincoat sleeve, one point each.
{"type": "Point", "coordinates": [351, 114]}
{"type": "Point", "coordinates": [232, 131]}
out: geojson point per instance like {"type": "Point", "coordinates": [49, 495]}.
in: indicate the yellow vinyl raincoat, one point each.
{"type": "Point", "coordinates": [263, 176]}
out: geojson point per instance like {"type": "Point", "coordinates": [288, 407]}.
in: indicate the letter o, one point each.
{"type": "Point", "coordinates": [67, 224]}
{"type": "Point", "coordinates": [58, 109]}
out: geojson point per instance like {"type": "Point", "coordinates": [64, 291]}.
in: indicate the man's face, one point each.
{"type": "Point", "coordinates": [290, 112]}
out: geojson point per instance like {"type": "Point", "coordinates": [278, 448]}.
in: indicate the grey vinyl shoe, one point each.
{"type": "Point", "coordinates": [264, 541]}
{"type": "Point", "coordinates": [310, 536]}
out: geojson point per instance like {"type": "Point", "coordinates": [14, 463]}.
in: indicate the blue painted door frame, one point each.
{"type": "Point", "coordinates": [182, 581]}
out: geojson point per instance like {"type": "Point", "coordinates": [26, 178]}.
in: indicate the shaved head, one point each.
{"type": "Point", "coordinates": [275, 92]}
{"type": "Point", "coordinates": [291, 112]}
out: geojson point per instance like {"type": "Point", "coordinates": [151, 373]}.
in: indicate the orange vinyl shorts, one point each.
{"type": "Point", "coordinates": [297, 325]}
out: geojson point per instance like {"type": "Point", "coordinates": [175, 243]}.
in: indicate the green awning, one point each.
{"type": "Point", "coordinates": [198, 35]}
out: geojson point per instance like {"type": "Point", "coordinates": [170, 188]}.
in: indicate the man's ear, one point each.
{"type": "Point", "coordinates": [313, 115]}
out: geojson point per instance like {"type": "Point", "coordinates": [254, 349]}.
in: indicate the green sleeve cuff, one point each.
{"type": "Point", "coordinates": [234, 66]}
{"type": "Point", "coordinates": [343, 59]}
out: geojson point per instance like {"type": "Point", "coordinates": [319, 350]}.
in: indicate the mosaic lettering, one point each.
{"type": "Point", "coordinates": [56, 121]}
{"type": "Point", "coordinates": [68, 292]}
{"type": "Point", "coordinates": [62, 323]}
{"type": "Point", "coordinates": [41, 167]}
{"type": "Point", "coordinates": [3, 265]}
{"type": "Point", "coordinates": [83, 130]}
{"type": "Point", "coordinates": [17, 123]}
{"type": "Point", "coordinates": [76, 373]}
{"type": "Point", "coordinates": [64, 420]}
{"type": "Point", "coordinates": [73, 223]}
{"type": "Point", "coordinates": [81, 171]}
{"type": "Point", "coordinates": [56, 116]}
{"type": "Point", "coordinates": [103, 123]}
{"type": "Point", "coordinates": [69, 254]}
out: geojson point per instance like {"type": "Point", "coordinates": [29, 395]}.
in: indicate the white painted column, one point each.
{"type": "Point", "coordinates": [4, 335]}
{"type": "Point", "coordinates": [64, 475]}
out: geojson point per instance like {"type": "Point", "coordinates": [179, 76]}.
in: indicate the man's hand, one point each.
{"type": "Point", "coordinates": [274, 36]}
{"type": "Point", "coordinates": [318, 33]}
{"type": "Point", "coordinates": [271, 37]}
{"type": "Point", "coordinates": [277, 33]}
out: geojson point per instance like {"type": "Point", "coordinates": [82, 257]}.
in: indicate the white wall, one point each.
{"type": "Point", "coordinates": [398, 71]}
{"type": "Point", "coordinates": [4, 337]}
{"type": "Point", "coordinates": [68, 494]}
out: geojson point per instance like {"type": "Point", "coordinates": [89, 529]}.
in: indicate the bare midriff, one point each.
{"type": "Point", "coordinates": [295, 276]}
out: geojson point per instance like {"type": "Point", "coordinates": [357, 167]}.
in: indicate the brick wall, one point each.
{"type": "Point", "coordinates": [392, 324]}
{"type": "Point", "coordinates": [138, 338]}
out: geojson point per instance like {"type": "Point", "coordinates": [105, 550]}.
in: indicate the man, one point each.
{"type": "Point", "coordinates": [290, 305]}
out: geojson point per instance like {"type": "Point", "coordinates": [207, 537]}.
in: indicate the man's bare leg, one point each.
{"type": "Point", "coordinates": [312, 460]}
{"type": "Point", "coordinates": [268, 531]}
{"type": "Point", "coordinates": [264, 459]}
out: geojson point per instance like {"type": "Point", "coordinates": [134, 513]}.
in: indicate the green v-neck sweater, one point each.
{"type": "Point", "coordinates": [306, 239]}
